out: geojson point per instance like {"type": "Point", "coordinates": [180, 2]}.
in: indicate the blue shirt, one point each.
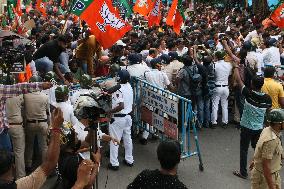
{"type": "Point", "coordinates": [256, 104]}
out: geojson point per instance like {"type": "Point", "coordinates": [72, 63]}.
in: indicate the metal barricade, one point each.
{"type": "Point", "coordinates": [170, 115]}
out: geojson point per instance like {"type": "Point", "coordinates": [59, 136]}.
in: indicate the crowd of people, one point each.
{"type": "Point", "coordinates": [222, 55]}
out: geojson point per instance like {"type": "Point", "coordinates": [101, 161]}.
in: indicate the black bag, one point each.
{"type": "Point", "coordinates": [195, 80]}
{"type": "Point", "coordinates": [249, 73]}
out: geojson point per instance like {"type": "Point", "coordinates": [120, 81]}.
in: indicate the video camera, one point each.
{"type": "Point", "coordinates": [94, 104]}
{"type": "Point", "coordinates": [9, 58]}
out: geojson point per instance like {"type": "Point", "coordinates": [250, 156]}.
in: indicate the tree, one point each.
{"type": "Point", "coordinates": [260, 8]}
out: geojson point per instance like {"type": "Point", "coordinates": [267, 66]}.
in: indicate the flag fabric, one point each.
{"type": "Point", "coordinates": [127, 7]}
{"type": "Point", "coordinates": [41, 7]}
{"type": "Point", "coordinates": [18, 8]}
{"type": "Point", "coordinates": [28, 6]}
{"type": "Point", "coordinates": [154, 16]}
{"type": "Point", "coordinates": [143, 7]}
{"type": "Point", "coordinates": [105, 23]}
{"type": "Point", "coordinates": [278, 16]}
{"type": "Point", "coordinates": [63, 2]}
{"type": "Point", "coordinates": [176, 16]}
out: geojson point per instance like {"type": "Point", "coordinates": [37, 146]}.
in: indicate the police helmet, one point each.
{"type": "Point", "coordinates": [61, 93]}
{"type": "Point", "coordinates": [276, 116]}
{"type": "Point", "coordinates": [35, 78]}
{"type": "Point", "coordinates": [85, 81]}
{"type": "Point", "coordinates": [49, 76]}
{"type": "Point", "coordinates": [114, 68]}
{"type": "Point", "coordinates": [220, 54]}
{"type": "Point", "coordinates": [124, 76]}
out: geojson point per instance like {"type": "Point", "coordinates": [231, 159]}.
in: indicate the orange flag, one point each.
{"type": "Point", "coordinates": [18, 8]}
{"type": "Point", "coordinates": [278, 16]}
{"type": "Point", "coordinates": [104, 21]}
{"type": "Point", "coordinates": [175, 16]}
{"type": "Point", "coordinates": [155, 14]}
{"type": "Point", "coordinates": [63, 2]}
{"type": "Point", "coordinates": [40, 6]}
{"type": "Point", "coordinates": [143, 7]}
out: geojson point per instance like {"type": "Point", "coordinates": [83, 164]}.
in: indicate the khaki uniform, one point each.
{"type": "Point", "coordinates": [16, 131]}
{"type": "Point", "coordinates": [268, 147]}
{"type": "Point", "coordinates": [36, 108]}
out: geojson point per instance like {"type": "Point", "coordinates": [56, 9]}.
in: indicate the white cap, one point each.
{"type": "Point", "coordinates": [119, 42]}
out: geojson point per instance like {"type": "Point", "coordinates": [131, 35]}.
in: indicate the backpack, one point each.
{"type": "Point", "coordinates": [249, 73]}
{"type": "Point", "coordinates": [195, 80]}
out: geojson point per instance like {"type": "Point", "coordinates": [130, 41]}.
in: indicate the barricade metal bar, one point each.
{"type": "Point", "coordinates": [188, 116]}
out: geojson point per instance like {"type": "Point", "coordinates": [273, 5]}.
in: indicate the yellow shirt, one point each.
{"type": "Point", "coordinates": [274, 89]}
{"type": "Point", "coordinates": [88, 49]}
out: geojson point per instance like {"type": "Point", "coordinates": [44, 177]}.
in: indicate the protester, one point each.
{"type": "Point", "coordinates": [273, 88]}
{"type": "Point", "coordinates": [194, 59]}
{"type": "Point", "coordinates": [168, 153]}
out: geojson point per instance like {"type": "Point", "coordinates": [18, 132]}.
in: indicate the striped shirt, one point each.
{"type": "Point", "coordinates": [256, 104]}
{"type": "Point", "coordinates": [9, 91]}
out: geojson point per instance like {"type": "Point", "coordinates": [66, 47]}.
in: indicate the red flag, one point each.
{"type": "Point", "coordinates": [278, 16]}
{"type": "Point", "coordinates": [103, 20]}
{"type": "Point", "coordinates": [63, 3]}
{"type": "Point", "coordinates": [40, 6]}
{"type": "Point", "coordinates": [175, 16]}
{"type": "Point", "coordinates": [18, 8]}
{"type": "Point", "coordinates": [155, 14]}
{"type": "Point", "coordinates": [143, 7]}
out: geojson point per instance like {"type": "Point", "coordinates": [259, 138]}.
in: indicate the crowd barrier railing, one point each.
{"type": "Point", "coordinates": [166, 114]}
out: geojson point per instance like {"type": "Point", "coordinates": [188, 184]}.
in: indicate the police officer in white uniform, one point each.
{"type": "Point", "coordinates": [221, 92]}
{"type": "Point", "coordinates": [120, 127]}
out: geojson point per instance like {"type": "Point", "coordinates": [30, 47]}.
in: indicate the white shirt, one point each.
{"type": "Point", "coordinates": [137, 70]}
{"type": "Point", "coordinates": [51, 95]}
{"type": "Point", "coordinates": [124, 95]}
{"type": "Point", "coordinates": [172, 69]}
{"type": "Point", "coordinates": [148, 60]}
{"type": "Point", "coordinates": [252, 34]}
{"type": "Point", "coordinates": [222, 72]}
{"type": "Point", "coordinates": [271, 56]}
{"type": "Point", "coordinates": [219, 47]}
{"type": "Point", "coordinates": [157, 78]}
{"type": "Point", "coordinates": [182, 52]}
{"type": "Point", "coordinates": [69, 117]}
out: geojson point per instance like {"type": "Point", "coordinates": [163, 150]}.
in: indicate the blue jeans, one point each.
{"type": "Point", "coordinates": [44, 65]}
{"type": "Point", "coordinates": [198, 106]}
{"type": "Point", "coordinates": [64, 61]}
{"type": "Point", "coordinates": [207, 110]}
{"type": "Point", "coordinates": [5, 142]}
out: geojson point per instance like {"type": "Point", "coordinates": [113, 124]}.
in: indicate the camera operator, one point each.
{"type": "Point", "coordinates": [38, 177]}
{"type": "Point", "coordinates": [75, 139]}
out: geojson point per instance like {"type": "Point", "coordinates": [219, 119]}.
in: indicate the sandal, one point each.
{"type": "Point", "coordinates": [238, 174]}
